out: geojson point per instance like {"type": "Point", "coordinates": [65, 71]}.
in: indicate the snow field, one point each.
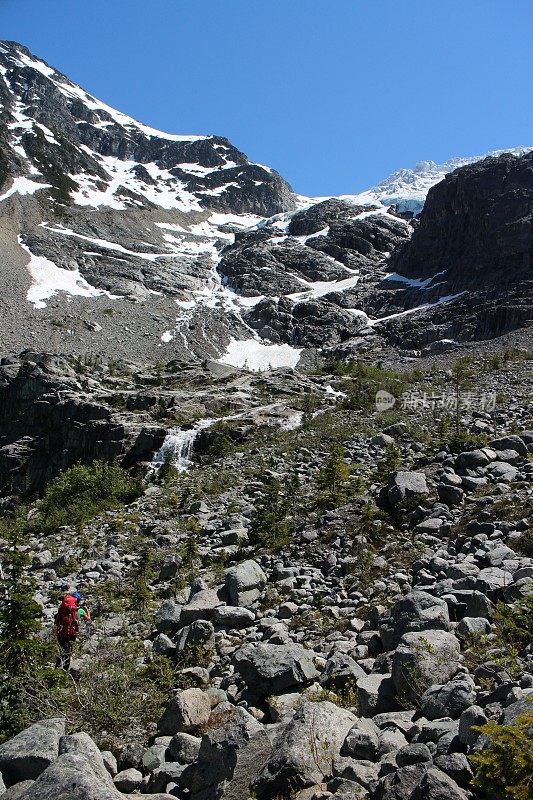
{"type": "Point", "coordinates": [49, 279]}
{"type": "Point", "coordinates": [256, 356]}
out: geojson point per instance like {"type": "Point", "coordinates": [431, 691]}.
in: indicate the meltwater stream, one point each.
{"type": "Point", "coordinates": [180, 444]}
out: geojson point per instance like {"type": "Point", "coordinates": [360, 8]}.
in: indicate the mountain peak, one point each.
{"type": "Point", "coordinates": [406, 189]}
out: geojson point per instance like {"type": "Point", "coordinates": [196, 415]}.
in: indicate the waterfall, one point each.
{"type": "Point", "coordinates": [180, 443]}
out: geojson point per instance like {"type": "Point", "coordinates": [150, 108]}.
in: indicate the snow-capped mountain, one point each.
{"type": "Point", "coordinates": [110, 160]}
{"type": "Point", "coordinates": [407, 189]}
{"type": "Point", "coordinates": [119, 239]}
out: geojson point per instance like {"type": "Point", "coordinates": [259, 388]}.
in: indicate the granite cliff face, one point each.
{"type": "Point", "coordinates": [473, 242]}
{"type": "Point", "coordinates": [476, 227]}
{"type": "Point", "coordinates": [51, 417]}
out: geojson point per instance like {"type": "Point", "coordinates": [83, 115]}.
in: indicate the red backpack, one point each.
{"type": "Point", "coordinates": [67, 617]}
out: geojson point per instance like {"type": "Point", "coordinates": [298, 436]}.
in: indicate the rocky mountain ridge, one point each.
{"type": "Point", "coordinates": [142, 243]}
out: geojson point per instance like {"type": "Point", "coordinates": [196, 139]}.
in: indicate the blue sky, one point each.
{"type": "Point", "coordinates": [334, 94]}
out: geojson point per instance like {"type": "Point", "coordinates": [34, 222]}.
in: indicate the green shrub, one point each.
{"type": "Point", "coordinates": [505, 766]}
{"type": "Point", "coordinates": [168, 471]}
{"type": "Point", "coordinates": [516, 621]}
{"type": "Point", "coordinates": [524, 544]}
{"type": "Point", "coordinates": [194, 655]}
{"type": "Point", "coordinates": [67, 568]}
{"type": "Point", "coordinates": [140, 594]}
{"type": "Point", "coordinates": [190, 552]}
{"type": "Point", "coordinates": [447, 435]}
{"type": "Point", "coordinates": [116, 692]}
{"type": "Point", "coordinates": [24, 656]}
{"type": "Point", "coordinates": [369, 525]}
{"type": "Point", "coordinates": [81, 492]}
{"type": "Point", "coordinates": [512, 631]}
{"type": "Point", "coordinates": [219, 442]}
{"type": "Point", "coordinates": [345, 696]}
{"type": "Point", "coordinates": [366, 380]}
{"type": "Point", "coordinates": [361, 566]}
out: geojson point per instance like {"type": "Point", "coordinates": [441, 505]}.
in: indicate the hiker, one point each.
{"type": "Point", "coordinates": [67, 627]}
{"type": "Point", "coordinates": [84, 615]}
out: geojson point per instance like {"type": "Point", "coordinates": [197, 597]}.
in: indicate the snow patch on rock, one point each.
{"type": "Point", "coordinates": [256, 356]}
{"type": "Point", "coordinates": [49, 279]}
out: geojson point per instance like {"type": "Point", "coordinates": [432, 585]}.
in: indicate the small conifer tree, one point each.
{"type": "Point", "coordinates": [189, 550]}
{"type": "Point", "coordinates": [141, 595]}
{"type": "Point", "coordinates": [269, 525]}
{"type": "Point", "coordinates": [24, 657]}
{"type": "Point", "coordinates": [390, 462]}
{"type": "Point", "coordinates": [335, 481]}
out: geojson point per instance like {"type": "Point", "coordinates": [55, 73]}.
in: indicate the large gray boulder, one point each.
{"type": "Point", "coordinates": [492, 581]}
{"type": "Point", "coordinates": [457, 767]}
{"type": "Point", "coordinates": [16, 792]}
{"type": "Point", "coordinates": [448, 699]}
{"type": "Point", "coordinates": [169, 772]}
{"type": "Point", "coordinates": [305, 750]}
{"type": "Point", "coordinates": [154, 755]}
{"type": "Point", "coordinates": [200, 633]}
{"type": "Point", "coordinates": [513, 442]}
{"type": "Point", "coordinates": [340, 671]}
{"type": "Point", "coordinates": [201, 606]}
{"type": "Point", "coordinates": [245, 583]}
{"type": "Point", "coordinates": [185, 713]}
{"type": "Point", "coordinates": [472, 459]}
{"type": "Point", "coordinates": [417, 753]}
{"type": "Point", "coordinates": [451, 495]}
{"type": "Point", "coordinates": [233, 617]}
{"type": "Point", "coordinates": [273, 668]}
{"type": "Point", "coordinates": [406, 486]}
{"type": "Point", "coordinates": [167, 617]}
{"type": "Point", "coordinates": [129, 780]}
{"type": "Point", "coordinates": [417, 611]}
{"type": "Point", "coordinates": [362, 741]}
{"type": "Point", "coordinates": [515, 710]}
{"type": "Point", "coordinates": [436, 785]}
{"type": "Point", "coordinates": [362, 774]}
{"type": "Point", "coordinates": [82, 744]}
{"type": "Point", "coordinates": [479, 605]}
{"type": "Point", "coordinates": [71, 777]}
{"type": "Point", "coordinates": [471, 718]}
{"type": "Point", "coordinates": [503, 472]}
{"type": "Point", "coordinates": [29, 753]}
{"type": "Point", "coordinates": [376, 694]}
{"type": "Point", "coordinates": [232, 753]}
{"type": "Point", "coordinates": [468, 626]}
{"type": "Point", "coordinates": [184, 748]}
{"type": "Point", "coordinates": [110, 762]}
{"type": "Point", "coordinates": [422, 659]}
{"type": "Point", "coordinates": [400, 784]}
